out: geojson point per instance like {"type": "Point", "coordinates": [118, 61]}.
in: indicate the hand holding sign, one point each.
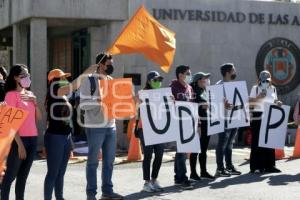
{"type": "Point", "coordinates": [11, 120]}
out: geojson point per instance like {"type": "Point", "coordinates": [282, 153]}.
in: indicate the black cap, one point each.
{"type": "Point", "coordinates": [154, 75]}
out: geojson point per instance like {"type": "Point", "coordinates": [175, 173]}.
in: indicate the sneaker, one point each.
{"type": "Point", "coordinates": [206, 175]}
{"type": "Point", "coordinates": [195, 177]}
{"type": "Point", "coordinates": [273, 170]}
{"type": "Point", "coordinates": [148, 187]}
{"type": "Point", "coordinates": [156, 186]}
{"type": "Point", "coordinates": [112, 196]}
{"type": "Point", "coordinates": [256, 171]}
{"type": "Point", "coordinates": [192, 182]}
{"type": "Point", "coordinates": [186, 185]}
{"type": "Point", "coordinates": [233, 171]}
{"type": "Point", "coordinates": [222, 173]}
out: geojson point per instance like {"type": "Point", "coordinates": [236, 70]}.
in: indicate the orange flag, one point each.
{"type": "Point", "coordinates": [144, 34]}
{"type": "Point", "coordinates": [11, 120]}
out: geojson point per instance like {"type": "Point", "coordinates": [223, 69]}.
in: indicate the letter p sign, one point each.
{"type": "Point", "coordinates": [273, 126]}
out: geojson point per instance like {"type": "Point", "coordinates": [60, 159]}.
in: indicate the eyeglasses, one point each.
{"type": "Point", "coordinates": [266, 81]}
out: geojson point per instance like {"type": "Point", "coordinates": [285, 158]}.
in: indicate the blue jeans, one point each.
{"type": "Point", "coordinates": [180, 168]}
{"type": "Point", "coordinates": [18, 169]}
{"type": "Point", "coordinates": [224, 147]}
{"type": "Point", "coordinates": [105, 139]}
{"type": "Point", "coordinates": [58, 149]}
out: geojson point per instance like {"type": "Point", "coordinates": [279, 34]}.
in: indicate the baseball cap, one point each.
{"type": "Point", "coordinates": [154, 75]}
{"type": "Point", "coordinates": [199, 76]}
{"type": "Point", "coordinates": [57, 73]}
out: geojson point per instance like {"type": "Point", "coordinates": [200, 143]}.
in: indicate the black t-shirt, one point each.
{"type": "Point", "coordinates": [201, 97]}
{"type": "Point", "coordinates": [58, 114]}
{"type": "Point", "coordinates": [2, 90]}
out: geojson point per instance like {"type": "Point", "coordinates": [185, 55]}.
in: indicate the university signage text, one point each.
{"type": "Point", "coordinates": [226, 17]}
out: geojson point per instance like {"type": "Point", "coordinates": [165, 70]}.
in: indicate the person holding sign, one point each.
{"type": "Point", "coordinates": [182, 91]}
{"type": "Point", "coordinates": [154, 81]}
{"type": "Point", "coordinates": [226, 139]}
{"type": "Point", "coordinates": [100, 131]}
{"type": "Point", "coordinates": [57, 138]}
{"type": "Point", "coordinates": [261, 159]}
{"type": "Point", "coordinates": [24, 147]}
{"type": "Point", "coordinates": [199, 82]}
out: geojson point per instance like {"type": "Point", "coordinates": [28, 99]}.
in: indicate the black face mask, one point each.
{"type": "Point", "coordinates": [233, 76]}
{"type": "Point", "coordinates": [109, 69]}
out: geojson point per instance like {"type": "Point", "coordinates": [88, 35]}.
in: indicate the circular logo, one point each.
{"type": "Point", "coordinates": [281, 58]}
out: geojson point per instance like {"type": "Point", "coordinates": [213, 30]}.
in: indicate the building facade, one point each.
{"type": "Point", "coordinates": [254, 35]}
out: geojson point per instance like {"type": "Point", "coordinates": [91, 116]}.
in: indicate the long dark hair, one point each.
{"type": "Point", "coordinates": [197, 90]}
{"type": "Point", "coordinates": [147, 86]}
{"type": "Point", "coordinates": [16, 70]}
{"type": "Point", "coordinates": [48, 95]}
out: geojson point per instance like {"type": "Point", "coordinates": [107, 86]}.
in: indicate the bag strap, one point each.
{"type": "Point", "coordinates": [93, 84]}
{"type": "Point", "coordinates": [256, 90]}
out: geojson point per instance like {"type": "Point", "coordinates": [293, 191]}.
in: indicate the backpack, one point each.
{"type": "Point", "coordinates": [92, 92]}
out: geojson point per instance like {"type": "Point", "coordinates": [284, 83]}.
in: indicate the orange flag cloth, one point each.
{"type": "Point", "coordinates": [144, 34]}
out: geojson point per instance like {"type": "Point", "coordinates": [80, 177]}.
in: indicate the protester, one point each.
{"type": "Point", "coordinates": [3, 76]}
{"type": "Point", "coordinates": [101, 132]}
{"type": "Point", "coordinates": [24, 146]}
{"type": "Point", "coordinates": [182, 91]}
{"type": "Point", "coordinates": [199, 82]}
{"type": "Point", "coordinates": [261, 159]}
{"type": "Point", "coordinates": [58, 134]}
{"type": "Point", "coordinates": [297, 113]}
{"type": "Point", "coordinates": [154, 81]}
{"type": "Point", "coordinates": [226, 139]}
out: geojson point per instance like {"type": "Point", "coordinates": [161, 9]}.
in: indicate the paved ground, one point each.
{"type": "Point", "coordinates": [128, 181]}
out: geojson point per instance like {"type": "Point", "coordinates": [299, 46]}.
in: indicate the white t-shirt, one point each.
{"type": "Point", "coordinates": [270, 97]}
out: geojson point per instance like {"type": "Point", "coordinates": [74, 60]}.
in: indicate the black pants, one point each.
{"type": "Point", "coordinates": [158, 151]}
{"type": "Point", "coordinates": [17, 168]}
{"type": "Point", "coordinates": [260, 158]}
{"type": "Point", "coordinates": [204, 141]}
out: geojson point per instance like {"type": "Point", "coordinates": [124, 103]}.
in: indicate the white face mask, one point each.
{"type": "Point", "coordinates": [207, 82]}
{"type": "Point", "coordinates": [264, 86]}
{"type": "Point", "coordinates": [187, 79]}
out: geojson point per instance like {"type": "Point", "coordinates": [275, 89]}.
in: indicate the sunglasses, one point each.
{"type": "Point", "coordinates": [266, 81]}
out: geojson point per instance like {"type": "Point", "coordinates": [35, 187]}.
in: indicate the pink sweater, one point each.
{"type": "Point", "coordinates": [28, 129]}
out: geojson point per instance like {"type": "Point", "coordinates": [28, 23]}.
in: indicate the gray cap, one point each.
{"type": "Point", "coordinates": [265, 75]}
{"type": "Point", "coordinates": [199, 76]}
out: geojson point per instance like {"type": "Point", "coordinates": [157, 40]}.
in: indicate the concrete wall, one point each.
{"type": "Point", "coordinates": [76, 9]}
{"type": "Point", "coordinates": [206, 45]}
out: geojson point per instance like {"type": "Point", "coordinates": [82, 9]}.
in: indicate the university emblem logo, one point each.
{"type": "Point", "coordinates": [281, 58]}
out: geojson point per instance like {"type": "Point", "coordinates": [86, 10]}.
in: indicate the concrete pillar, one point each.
{"type": "Point", "coordinates": [38, 65]}
{"type": "Point", "coordinates": [20, 44]}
